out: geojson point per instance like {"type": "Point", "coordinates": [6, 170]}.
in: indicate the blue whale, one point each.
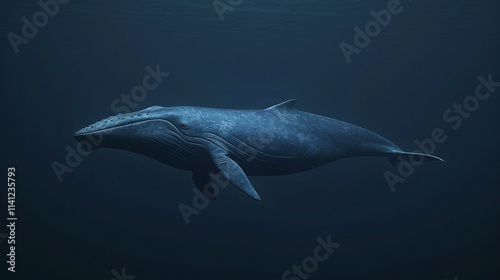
{"type": "Point", "coordinates": [235, 143]}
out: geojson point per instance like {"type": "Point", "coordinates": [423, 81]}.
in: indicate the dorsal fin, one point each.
{"type": "Point", "coordinates": [287, 105]}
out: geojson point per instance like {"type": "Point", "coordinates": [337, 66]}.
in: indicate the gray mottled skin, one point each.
{"type": "Point", "coordinates": [274, 141]}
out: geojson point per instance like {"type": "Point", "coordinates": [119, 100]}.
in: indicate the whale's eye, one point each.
{"type": "Point", "coordinates": [184, 126]}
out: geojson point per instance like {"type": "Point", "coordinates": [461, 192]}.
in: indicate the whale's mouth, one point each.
{"type": "Point", "coordinates": [114, 122]}
{"type": "Point", "coordinates": [139, 131]}
{"type": "Point", "coordinates": [92, 129]}
{"type": "Point", "coordinates": [120, 120]}
{"type": "Point", "coordinates": [157, 138]}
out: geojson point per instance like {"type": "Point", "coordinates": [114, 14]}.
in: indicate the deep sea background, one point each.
{"type": "Point", "coordinates": [120, 210]}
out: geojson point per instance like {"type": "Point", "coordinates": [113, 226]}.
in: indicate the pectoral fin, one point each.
{"type": "Point", "coordinates": [233, 172]}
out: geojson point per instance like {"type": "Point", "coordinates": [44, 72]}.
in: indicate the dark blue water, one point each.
{"type": "Point", "coordinates": [117, 210]}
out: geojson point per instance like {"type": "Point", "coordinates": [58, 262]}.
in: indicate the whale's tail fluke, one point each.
{"type": "Point", "coordinates": [412, 157]}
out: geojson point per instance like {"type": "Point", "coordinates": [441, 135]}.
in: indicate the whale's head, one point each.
{"type": "Point", "coordinates": [163, 133]}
